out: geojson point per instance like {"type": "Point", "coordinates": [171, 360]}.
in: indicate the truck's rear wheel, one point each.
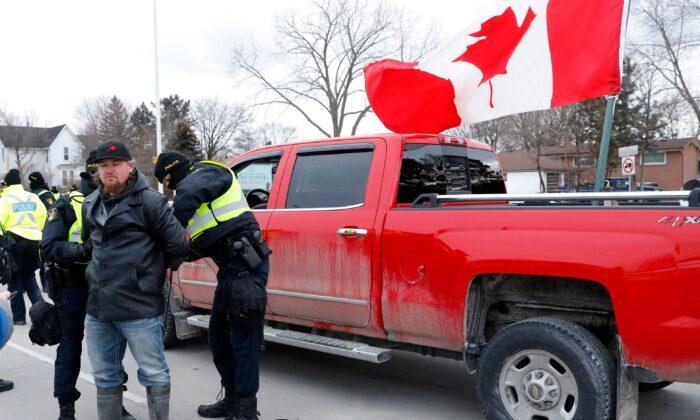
{"type": "Point", "coordinates": [546, 368]}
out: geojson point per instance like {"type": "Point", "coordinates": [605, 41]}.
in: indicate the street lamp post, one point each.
{"type": "Point", "coordinates": [159, 140]}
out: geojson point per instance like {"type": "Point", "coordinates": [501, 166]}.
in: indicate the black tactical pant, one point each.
{"type": "Point", "coordinates": [236, 348]}
{"type": "Point", "coordinates": [70, 307]}
{"type": "Point", "coordinates": [26, 256]}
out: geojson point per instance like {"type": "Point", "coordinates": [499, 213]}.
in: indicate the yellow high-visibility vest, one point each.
{"type": "Point", "coordinates": [228, 205]}
{"type": "Point", "coordinates": [22, 213]}
{"type": "Point", "coordinates": [76, 201]}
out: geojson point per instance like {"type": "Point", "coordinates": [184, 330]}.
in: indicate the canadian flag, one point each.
{"type": "Point", "coordinates": [523, 56]}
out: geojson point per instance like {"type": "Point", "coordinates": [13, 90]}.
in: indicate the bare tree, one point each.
{"type": "Point", "coordinates": [218, 126]}
{"type": "Point", "coordinates": [327, 48]}
{"type": "Point", "coordinates": [495, 133]}
{"type": "Point", "coordinates": [276, 133]}
{"type": "Point", "coordinates": [537, 130]}
{"type": "Point", "coordinates": [672, 44]}
{"type": "Point", "coordinates": [89, 115]}
{"type": "Point", "coordinates": [262, 135]}
{"type": "Point", "coordinates": [21, 138]}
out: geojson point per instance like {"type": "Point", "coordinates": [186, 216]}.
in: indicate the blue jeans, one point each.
{"type": "Point", "coordinates": [105, 344]}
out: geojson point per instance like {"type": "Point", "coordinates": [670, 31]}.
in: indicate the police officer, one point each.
{"type": "Point", "coordinates": [22, 216]}
{"type": "Point", "coordinates": [67, 256]}
{"type": "Point", "coordinates": [211, 205]}
{"type": "Point", "coordinates": [38, 186]}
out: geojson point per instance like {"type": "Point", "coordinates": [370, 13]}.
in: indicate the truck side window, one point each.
{"type": "Point", "coordinates": [329, 180]}
{"type": "Point", "coordinates": [255, 178]}
{"type": "Point", "coordinates": [421, 172]}
{"type": "Point", "coordinates": [447, 169]}
{"type": "Point", "coordinates": [485, 173]}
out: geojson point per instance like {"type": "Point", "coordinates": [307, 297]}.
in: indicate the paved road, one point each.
{"type": "Point", "coordinates": [295, 384]}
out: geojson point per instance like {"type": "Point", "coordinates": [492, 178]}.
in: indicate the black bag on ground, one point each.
{"type": "Point", "coordinates": [45, 329]}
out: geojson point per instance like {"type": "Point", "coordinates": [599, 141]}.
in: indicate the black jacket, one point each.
{"type": "Point", "coordinates": [55, 246]}
{"type": "Point", "coordinates": [133, 243]}
{"type": "Point", "coordinates": [46, 196]}
{"type": "Point", "coordinates": [202, 185]}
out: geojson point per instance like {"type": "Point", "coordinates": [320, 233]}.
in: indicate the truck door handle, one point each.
{"type": "Point", "coordinates": [352, 232]}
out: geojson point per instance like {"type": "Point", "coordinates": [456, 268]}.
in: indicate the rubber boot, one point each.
{"type": "Point", "coordinates": [67, 410]}
{"type": "Point", "coordinates": [221, 408]}
{"type": "Point", "coordinates": [245, 409]}
{"type": "Point", "coordinates": [158, 402]}
{"type": "Point", "coordinates": [109, 403]}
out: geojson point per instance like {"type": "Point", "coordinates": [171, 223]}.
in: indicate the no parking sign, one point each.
{"type": "Point", "coordinates": [628, 165]}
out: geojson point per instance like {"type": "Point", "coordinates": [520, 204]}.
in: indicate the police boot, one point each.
{"type": "Point", "coordinates": [67, 410]}
{"type": "Point", "coordinates": [109, 403]}
{"type": "Point", "coordinates": [158, 402]}
{"type": "Point", "coordinates": [245, 409]}
{"type": "Point", "coordinates": [221, 408]}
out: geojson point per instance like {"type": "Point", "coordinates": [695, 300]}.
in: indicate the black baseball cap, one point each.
{"type": "Point", "coordinates": [112, 150]}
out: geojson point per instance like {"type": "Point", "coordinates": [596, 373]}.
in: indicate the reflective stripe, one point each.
{"type": "Point", "coordinates": [199, 220]}
{"type": "Point", "coordinates": [229, 205]}
{"type": "Point", "coordinates": [24, 216]}
{"type": "Point", "coordinates": [76, 201]}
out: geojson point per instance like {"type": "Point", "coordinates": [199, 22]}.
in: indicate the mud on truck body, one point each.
{"type": "Point", "coordinates": [560, 303]}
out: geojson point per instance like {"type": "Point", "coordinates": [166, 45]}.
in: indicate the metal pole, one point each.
{"type": "Point", "coordinates": [159, 141]}
{"type": "Point", "coordinates": [605, 144]}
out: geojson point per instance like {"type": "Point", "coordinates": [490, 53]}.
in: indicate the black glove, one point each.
{"type": "Point", "coordinates": [87, 250]}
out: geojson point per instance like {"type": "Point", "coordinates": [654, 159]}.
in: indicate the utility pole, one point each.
{"type": "Point", "coordinates": [159, 140]}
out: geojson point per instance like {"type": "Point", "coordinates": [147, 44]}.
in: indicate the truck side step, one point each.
{"type": "Point", "coordinates": [338, 347]}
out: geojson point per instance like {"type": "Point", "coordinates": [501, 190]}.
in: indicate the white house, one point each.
{"type": "Point", "coordinates": [522, 177]}
{"type": "Point", "coordinates": [56, 152]}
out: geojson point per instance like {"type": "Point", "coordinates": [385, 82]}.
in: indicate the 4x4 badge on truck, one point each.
{"type": "Point", "coordinates": [678, 221]}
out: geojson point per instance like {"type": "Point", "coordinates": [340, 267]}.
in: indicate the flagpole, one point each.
{"type": "Point", "coordinates": [159, 141]}
{"type": "Point", "coordinates": [605, 143]}
{"type": "Point", "coordinates": [610, 110]}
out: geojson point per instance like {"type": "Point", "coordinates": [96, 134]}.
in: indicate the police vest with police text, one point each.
{"type": "Point", "coordinates": [227, 206]}
{"type": "Point", "coordinates": [22, 213]}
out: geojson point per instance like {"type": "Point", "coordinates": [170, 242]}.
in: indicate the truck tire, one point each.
{"type": "Point", "coordinates": [546, 368]}
{"type": "Point", "coordinates": [653, 386]}
{"type": "Point", "coordinates": [169, 333]}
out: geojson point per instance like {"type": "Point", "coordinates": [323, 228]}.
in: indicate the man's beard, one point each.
{"type": "Point", "coordinates": [116, 189]}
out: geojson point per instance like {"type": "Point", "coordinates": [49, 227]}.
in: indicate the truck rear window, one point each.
{"type": "Point", "coordinates": [447, 169]}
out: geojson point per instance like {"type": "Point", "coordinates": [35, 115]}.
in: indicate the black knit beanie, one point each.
{"type": "Point", "coordinates": [173, 163]}
{"type": "Point", "coordinates": [12, 177]}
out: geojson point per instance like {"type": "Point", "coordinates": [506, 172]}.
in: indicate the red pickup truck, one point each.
{"type": "Point", "coordinates": [406, 242]}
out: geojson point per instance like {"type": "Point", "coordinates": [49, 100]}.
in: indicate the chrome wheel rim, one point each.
{"type": "Point", "coordinates": [537, 384]}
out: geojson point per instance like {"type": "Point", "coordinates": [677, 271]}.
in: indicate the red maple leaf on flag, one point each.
{"type": "Point", "coordinates": [501, 36]}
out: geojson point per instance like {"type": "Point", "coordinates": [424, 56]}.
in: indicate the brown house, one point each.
{"type": "Point", "coordinates": [669, 163]}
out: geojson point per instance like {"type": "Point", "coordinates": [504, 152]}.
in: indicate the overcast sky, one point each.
{"type": "Point", "coordinates": [55, 54]}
